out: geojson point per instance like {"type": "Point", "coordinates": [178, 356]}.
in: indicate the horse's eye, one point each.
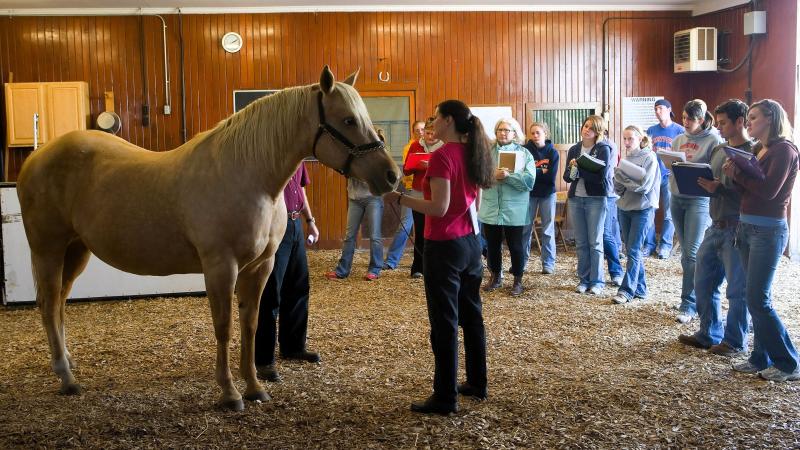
{"type": "Point", "coordinates": [350, 121]}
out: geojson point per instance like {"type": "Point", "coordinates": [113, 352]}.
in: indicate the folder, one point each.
{"type": "Point", "coordinates": [631, 170]}
{"type": "Point", "coordinates": [590, 163]}
{"type": "Point", "coordinates": [413, 160]}
{"type": "Point", "coordinates": [686, 175]}
{"type": "Point", "coordinates": [512, 161]}
{"type": "Point", "coordinates": [746, 161]}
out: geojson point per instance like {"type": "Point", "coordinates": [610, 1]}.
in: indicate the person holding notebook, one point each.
{"type": "Point", "coordinates": [762, 236]}
{"type": "Point", "coordinates": [690, 213]}
{"type": "Point", "coordinates": [637, 182]}
{"type": "Point", "coordinates": [590, 185]}
{"type": "Point", "coordinates": [717, 259]}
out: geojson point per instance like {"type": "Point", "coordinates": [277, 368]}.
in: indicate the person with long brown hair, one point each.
{"type": "Point", "coordinates": [452, 254]}
{"type": "Point", "coordinates": [762, 236]}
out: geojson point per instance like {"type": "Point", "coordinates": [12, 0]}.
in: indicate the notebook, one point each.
{"type": "Point", "coordinates": [668, 157]}
{"type": "Point", "coordinates": [511, 161]}
{"type": "Point", "coordinates": [746, 161]}
{"type": "Point", "coordinates": [413, 159]}
{"type": "Point", "coordinates": [590, 163]}
{"type": "Point", "coordinates": [631, 170]}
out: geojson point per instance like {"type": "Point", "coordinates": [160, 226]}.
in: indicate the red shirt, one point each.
{"type": "Point", "coordinates": [450, 163]}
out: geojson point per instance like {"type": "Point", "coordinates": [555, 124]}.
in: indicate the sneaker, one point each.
{"type": "Point", "coordinates": [745, 367]}
{"type": "Point", "coordinates": [616, 281]}
{"type": "Point", "coordinates": [663, 253]}
{"type": "Point", "coordinates": [725, 349]}
{"type": "Point", "coordinates": [596, 290]}
{"type": "Point", "coordinates": [386, 266]}
{"type": "Point", "coordinates": [547, 271]}
{"type": "Point", "coordinates": [371, 276]}
{"type": "Point", "coordinates": [620, 299]}
{"type": "Point", "coordinates": [581, 289]}
{"type": "Point", "coordinates": [684, 317]}
{"type": "Point", "coordinates": [774, 374]}
{"type": "Point", "coordinates": [416, 275]}
{"type": "Point", "coordinates": [333, 276]}
{"type": "Point", "coordinates": [641, 297]}
{"type": "Point", "coordinates": [692, 341]}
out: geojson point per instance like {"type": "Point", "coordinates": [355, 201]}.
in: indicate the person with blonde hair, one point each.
{"type": "Point", "coordinates": [762, 236]}
{"type": "Point", "coordinates": [543, 195]}
{"type": "Point", "coordinates": [637, 182]}
{"type": "Point", "coordinates": [587, 194]}
{"type": "Point", "coordinates": [504, 206]}
{"type": "Point", "coordinates": [690, 213]}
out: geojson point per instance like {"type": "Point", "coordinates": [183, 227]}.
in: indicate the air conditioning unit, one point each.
{"type": "Point", "coordinates": [695, 50]}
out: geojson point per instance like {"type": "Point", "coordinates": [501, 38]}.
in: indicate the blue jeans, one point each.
{"type": "Point", "coordinates": [718, 260]}
{"type": "Point", "coordinates": [588, 215]}
{"type": "Point", "coordinates": [664, 245]}
{"type": "Point", "coordinates": [611, 238]}
{"type": "Point", "coordinates": [400, 238]}
{"type": "Point", "coordinates": [547, 212]}
{"type": "Point", "coordinates": [369, 209]}
{"type": "Point", "coordinates": [761, 248]}
{"type": "Point", "coordinates": [691, 220]}
{"type": "Point", "coordinates": [634, 226]}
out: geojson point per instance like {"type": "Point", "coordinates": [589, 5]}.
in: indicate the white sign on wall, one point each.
{"type": "Point", "coordinates": [639, 111]}
{"type": "Point", "coordinates": [489, 116]}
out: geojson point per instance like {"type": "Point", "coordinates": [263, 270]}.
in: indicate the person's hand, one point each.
{"type": "Point", "coordinates": [730, 169]}
{"type": "Point", "coordinates": [391, 197]}
{"type": "Point", "coordinates": [544, 171]}
{"type": "Point", "coordinates": [424, 163]}
{"type": "Point", "coordinates": [710, 186]}
{"type": "Point", "coordinates": [501, 174]}
{"type": "Point", "coordinates": [573, 162]}
{"type": "Point", "coordinates": [313, 233]}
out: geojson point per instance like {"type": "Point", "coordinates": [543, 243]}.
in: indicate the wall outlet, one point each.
{"type": "Point", "coordinates": [167, 110]}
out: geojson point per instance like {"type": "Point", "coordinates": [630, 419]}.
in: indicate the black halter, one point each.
{"type": "Point", "coordinates": [354, 150]}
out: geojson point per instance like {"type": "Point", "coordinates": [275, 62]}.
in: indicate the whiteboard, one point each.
{"type": "Point", "coordinates": [98, 280]}
{"type": "Point", "coordinates": [490, 114]}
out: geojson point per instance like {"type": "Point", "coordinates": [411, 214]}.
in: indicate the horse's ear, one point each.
{"type": "Point", "coordinates": [326, 80]}
{"type": "Point", "coordinates": [351, 80]}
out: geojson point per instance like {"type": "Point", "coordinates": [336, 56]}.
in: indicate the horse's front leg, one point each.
{"type": "Point", "coordinates": [220, 277]}
{"type": "Point", "coordinates": [249, 287]}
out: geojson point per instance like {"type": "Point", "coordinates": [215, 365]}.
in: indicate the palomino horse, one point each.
{"type": "Point", "coordinates": [213, 205]}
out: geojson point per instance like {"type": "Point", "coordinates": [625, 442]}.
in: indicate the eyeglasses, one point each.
{"type": "Point", "coordinates": [504, 130]}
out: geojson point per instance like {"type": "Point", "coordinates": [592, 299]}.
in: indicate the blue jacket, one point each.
{"type": "Point", "coordinates": [598, 184]}
{"type": "Point", "coordinates": [506, 202]}
{"type": "Point", "coordinates": [546, 158]}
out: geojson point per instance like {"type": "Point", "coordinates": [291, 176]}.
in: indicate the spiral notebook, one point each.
{"type": "Point", "coordinates": [686, 175]}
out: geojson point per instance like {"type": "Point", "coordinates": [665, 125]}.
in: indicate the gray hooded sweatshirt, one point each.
{"type": "Point", "coordinates": [698, 150]}
{"type": "Point", "coordinates": [637, 195]}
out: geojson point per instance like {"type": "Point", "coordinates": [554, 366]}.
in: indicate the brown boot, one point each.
{"type": "Point", "coordinates": [517, 289]}
{"type": "Point", "coordinates": [493, 283]}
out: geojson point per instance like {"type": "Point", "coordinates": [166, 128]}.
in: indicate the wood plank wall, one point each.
{"type": "Point", "coordinates": [479, 57]}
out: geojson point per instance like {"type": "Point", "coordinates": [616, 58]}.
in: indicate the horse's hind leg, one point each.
{"type": "Point", "coordinates": [249, 286]}
{"type": "Point", "coordinates": [75, 261]}
{"type": "Point", "coordinates": [47, 272]}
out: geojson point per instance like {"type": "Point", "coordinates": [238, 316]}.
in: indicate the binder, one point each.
{"type": "Point", "coordinates": [686, 175]}
{"type": "Point", "coordinates": [590, 163]}
{"type": "Point", "coordinates": [413, 159]}
{"type": "Point", "coordinates": [746, 161]}
{"type": "Point", "coordinates": [669, 157]}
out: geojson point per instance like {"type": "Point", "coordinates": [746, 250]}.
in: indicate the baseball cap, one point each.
{"type": "Point", "coordinates": [665, 103]}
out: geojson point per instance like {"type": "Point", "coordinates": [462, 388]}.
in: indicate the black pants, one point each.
{"type": "Point", "coordinates": [417, 264]}
{"type": "Point", "coordinates": [494, 241]}
{"type": "Point", "coordinates": [285, 296]}
{"type": "Point", "coordinates": [453, 272]}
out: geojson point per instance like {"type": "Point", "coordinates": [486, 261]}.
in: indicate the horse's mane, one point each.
{"type": "Point", "coordinates": [260, 133]}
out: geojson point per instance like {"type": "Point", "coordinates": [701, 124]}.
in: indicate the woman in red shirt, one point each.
{"type": "Point", "coordinates": [452, 256]}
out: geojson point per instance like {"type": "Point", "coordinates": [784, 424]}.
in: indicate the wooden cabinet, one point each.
{"type": "Point", "coordinates": [62, 107]}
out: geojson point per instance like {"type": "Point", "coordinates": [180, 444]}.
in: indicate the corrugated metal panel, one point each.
{"type": "Point", "coordinates": [565, 124]}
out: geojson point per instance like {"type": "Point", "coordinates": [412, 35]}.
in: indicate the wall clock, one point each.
{"type": "Point", "coordinates": [232, 42]}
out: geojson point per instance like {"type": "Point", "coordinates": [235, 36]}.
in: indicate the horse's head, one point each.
{"type": "Point", "coordinates": [346, 140]}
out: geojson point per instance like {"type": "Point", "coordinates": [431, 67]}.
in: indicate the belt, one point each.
{"type": "Point", "coordinates": [293, 215]}
{"type": "Point", "coordinates": [725, 223]}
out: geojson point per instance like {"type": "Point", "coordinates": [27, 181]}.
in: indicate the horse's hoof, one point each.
{"type": "Point", "coordinates": [232, 405]}
{"type": "Point", "coordinates": [70, 389]}
{"type": "Point", "coordinates": [259, 396]}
